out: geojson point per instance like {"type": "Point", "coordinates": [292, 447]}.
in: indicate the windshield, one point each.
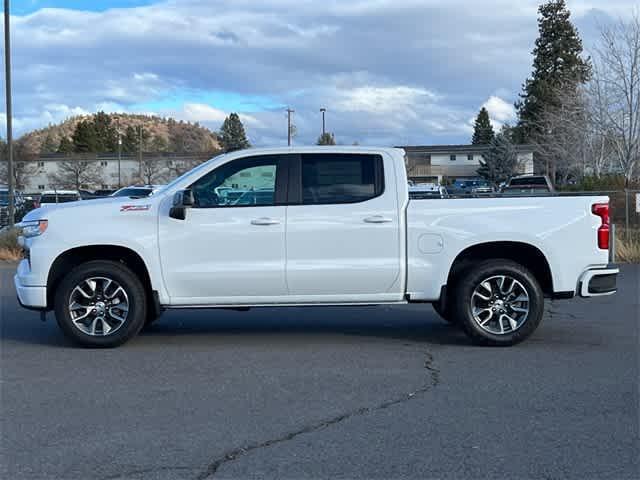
{"type": "Point", "coordinates": [193, 170]}
{"type": "Point", "coordinates": [60, 198]}
{"type": "Point", "coordinates": [133, 192]}
{"type": "Point", "coordinates": [528, 181]}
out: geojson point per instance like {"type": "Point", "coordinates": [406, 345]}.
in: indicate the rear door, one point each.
{"type": "Point", "coordinates": [343, 237]}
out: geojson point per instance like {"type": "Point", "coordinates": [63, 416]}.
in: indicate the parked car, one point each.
{"type": "Point", "coordinates": [54, 197]}
{"type": "Point", "coordinates": [19, 206]}
{"type": "Point", "coordinates": [103, 193]}
{"type": "Point", "coordinates": [467, 186]}
{"type": "Point", "coordinates": [136, 191]}
{"type": "Point", "coordinates": [528, 185]}
{"type": "Point", "coordinates": [426, 190]}
{"type": "Point", "coordinates": [340, 229]}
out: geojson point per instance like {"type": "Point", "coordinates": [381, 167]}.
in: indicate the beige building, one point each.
{"type": "Point", "coordinates": [430, 163]}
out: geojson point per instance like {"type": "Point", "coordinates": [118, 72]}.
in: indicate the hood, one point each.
{"type": "Point", "coordinates": [84, 207]}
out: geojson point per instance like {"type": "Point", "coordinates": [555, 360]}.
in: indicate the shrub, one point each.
{"type": "Point", "coordinates": [9, 248]}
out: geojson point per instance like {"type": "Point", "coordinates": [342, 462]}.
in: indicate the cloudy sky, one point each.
{"type": "Point", "coordinates": [388, 71]}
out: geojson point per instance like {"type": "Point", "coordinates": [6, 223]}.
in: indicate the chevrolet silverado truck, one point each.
{"type": "Point", "coordinates": [310, 226]}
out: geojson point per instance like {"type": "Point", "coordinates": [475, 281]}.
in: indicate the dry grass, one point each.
{"type": "Point", "coordinates": [9, 249]}
{"type": "Point", "coordinates": [628, 245]}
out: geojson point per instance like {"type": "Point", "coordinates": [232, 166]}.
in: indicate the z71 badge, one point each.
{"type": "Point", "coordinates": [134, 208]}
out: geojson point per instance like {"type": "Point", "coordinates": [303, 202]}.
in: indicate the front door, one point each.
{"type": "Point", "coordinates": [230, 249]}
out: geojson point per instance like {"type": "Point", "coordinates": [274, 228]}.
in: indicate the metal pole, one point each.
{"type": "Point", "coordinates": [289, 112]}
{"type": "Point", "coordinates": [7, 65]}
{"type": "Point", "coordinates": [119, 152]}
{"type": "Point", "coordinates": [626, 210]}
{"type": "Point", "coordinates": [323, 110]}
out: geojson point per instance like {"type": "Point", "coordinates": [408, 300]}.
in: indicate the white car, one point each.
{"type": "Point", "coordinates": [137, 191]}
{"type": "Point", "coordinates": [331, 226]}
{"type": "Point", "coordinates": [54, 197]}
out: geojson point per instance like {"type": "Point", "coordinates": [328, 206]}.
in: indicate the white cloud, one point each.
{"type": "Point", "coordinates": [500, 111]}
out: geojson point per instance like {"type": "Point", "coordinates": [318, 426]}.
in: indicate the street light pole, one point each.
{"type": "Point", "coordinates": [323, 110]}
{"type": "Point", "coordinates": [7, 65]}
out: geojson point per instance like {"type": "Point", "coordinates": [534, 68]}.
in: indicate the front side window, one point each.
{"type": "Point", "coordinates": [244, 182]}
{"type": "Point", "coordinates": [341, 178]}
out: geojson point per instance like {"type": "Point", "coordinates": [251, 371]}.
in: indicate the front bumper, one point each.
{"type": "Point", "coordinates": [598, 282]}
{"type": "Point", "coordinates": [34, 297]}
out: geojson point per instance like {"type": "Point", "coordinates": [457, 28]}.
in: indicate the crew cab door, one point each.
{"type": "Point", "coordinates": [343, 229]}
{"type": "Point", "coordinates": [230, 248]}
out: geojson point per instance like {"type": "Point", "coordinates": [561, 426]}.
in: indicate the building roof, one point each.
{"type": "Point", "coordinates": [457, 148]}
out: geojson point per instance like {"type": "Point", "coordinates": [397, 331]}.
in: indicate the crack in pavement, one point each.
{"type": "Point", "coordinates": [229, 456]}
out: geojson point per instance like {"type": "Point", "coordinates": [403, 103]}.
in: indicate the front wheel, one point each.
{"type": "Point", "coordinates": [100, 304]}
{"type": "Point", "coordinates": [498, 302]}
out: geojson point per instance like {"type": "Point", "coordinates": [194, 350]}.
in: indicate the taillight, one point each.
{"type": "Point", "coordinates": [602, 210]}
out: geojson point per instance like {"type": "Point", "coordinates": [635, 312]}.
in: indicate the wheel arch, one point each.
{"type": "Point", "coordinates": [527, 255]}
{"type": "Point", "coordinates": [73, 257]}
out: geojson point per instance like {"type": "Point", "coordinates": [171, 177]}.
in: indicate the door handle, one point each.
{"type": "Point", "coordinates": [378, 219]}
{"type": "Point", "coordinates": [265, 221]}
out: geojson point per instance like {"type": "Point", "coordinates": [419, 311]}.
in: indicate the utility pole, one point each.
{"type": "Point", "coordinates": [7, 65]}
{"type": "Point", "coordinates": [323, 111]}
{"type": "Point", "coordinates": [140, 152]}
{"type": "Point", "coordinates": [289, 112]}
{"type": "Point", "coordinates": [119, 151]}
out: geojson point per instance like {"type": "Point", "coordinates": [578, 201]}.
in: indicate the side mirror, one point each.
{"type": "Point", "coordinates": [182, 200]}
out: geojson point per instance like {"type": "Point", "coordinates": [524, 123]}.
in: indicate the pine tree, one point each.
{"type": "Point", "coordinates": [66, 145]}
{"type": "Point", "coordinates": [557, 64]}
{"type": "Point", "coordinates": [84, 137]}
{"type": "Point", "coordinates": [105, 133]}
{"type": "Point", "coordinates": [326, 139]}
{"type": "Point", "coordinates": [500, 162]}
{"type": "Point", "coordinates": [482, 130]}
{"type": "Point", "coordinates": [130, 140]}
{"type": "Point", "coordinates": [232, 134]}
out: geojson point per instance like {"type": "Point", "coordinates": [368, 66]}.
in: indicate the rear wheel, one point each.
{"type": "Point", "coordinates": [100, 304]}
{"type": "Point", "coordinates": [498, 302]}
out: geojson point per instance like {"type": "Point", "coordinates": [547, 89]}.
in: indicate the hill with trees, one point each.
{"type": "Point", "coordinates": [99, 133]}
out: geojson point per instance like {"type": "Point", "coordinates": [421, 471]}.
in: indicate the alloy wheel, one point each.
{"type": "Point", "coordinates": [98, 306]}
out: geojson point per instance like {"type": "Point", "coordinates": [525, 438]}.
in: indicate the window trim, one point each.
{"type": "Point", "coordinates": [295, 179]}
{"type": "Point", "coordinates": [281, 180]}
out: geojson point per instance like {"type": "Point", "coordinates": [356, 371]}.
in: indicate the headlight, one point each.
{"type": "Point", "coordinates": [33, 228]}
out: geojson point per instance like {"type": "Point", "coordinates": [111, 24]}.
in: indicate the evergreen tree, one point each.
{"type": "Point", "coordinates": [130, 140]}
{"type": "Point", "coordinates": [500, 162]}
{"type": "Point", "coordinates": [482, 130]}
{"type": "Point", "coordinates": [326, 139]}
{"type": "Point", "coordinates": [105, 133]}
{"type": "Point", "coordinates": [557, 64]}
{"type": "Point", "coordinates": [66, 145]}
{"type": "Point", "coordinates": [49, 144]}
{"type": "Point", "coordinates": [232, 134]}
{"type": "Point", "coordinates": [84, 137]}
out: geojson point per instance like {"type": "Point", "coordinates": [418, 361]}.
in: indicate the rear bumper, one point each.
{"type": "Point", "coordinates": [34, 298]}
{"type": "Point", "coordinates": [599, 282]}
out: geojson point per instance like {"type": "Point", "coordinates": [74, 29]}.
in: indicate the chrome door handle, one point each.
{"type": "Point", "coordinates": [265, 221]}
{"type": "Point", "coordinates": [378, 219]}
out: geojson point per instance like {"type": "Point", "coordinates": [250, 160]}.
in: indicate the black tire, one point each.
{"type": "Point", "coordinates": [474, 277]}
{"type": "Point", "coordinates": [131, 285]}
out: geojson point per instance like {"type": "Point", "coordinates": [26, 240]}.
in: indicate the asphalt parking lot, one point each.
{"type": "Point", "coordinates": [375, 392]}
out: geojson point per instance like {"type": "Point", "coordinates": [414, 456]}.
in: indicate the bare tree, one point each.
{"type": "Point", "coordinates": [24, 166]}
{"type": "Point", "coordinates": [152, 171]}
{"type": "Point", "coordinates": [617, 73]}
{"type": "Point", "coordinates": [78, 172]}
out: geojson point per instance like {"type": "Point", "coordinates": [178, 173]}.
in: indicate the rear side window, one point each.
{"type": "Point", "coordinates": [528, 181]}
{"type": "Point", "coordinates": [341, 178]}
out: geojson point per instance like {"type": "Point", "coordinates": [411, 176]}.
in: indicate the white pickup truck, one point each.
{"type": "Point", "coordinates": [310, 226]}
